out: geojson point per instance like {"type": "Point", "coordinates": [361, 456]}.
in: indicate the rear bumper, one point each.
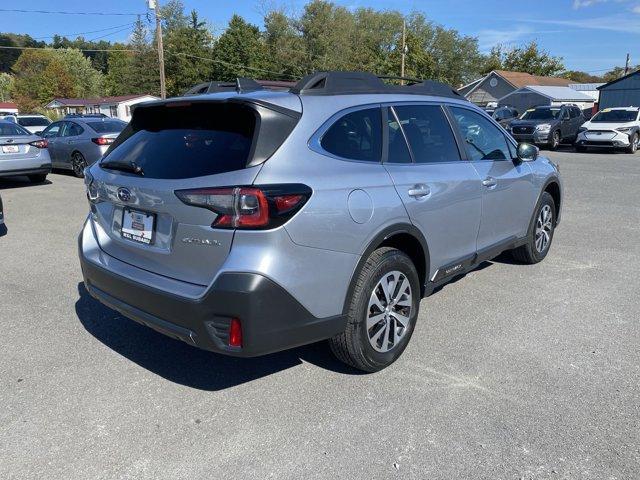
{"type": "Point", "coordinates": [272, 320]}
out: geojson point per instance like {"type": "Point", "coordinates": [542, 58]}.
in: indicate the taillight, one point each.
{"type": "Point", "coordinates": [44, 143]}
{"type": "Point", "coordinates": [103, 140]}
{"type": "Point", "coordinates": [259, 207]}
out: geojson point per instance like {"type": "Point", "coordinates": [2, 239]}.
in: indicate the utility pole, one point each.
{"type": "Point", "coordinates": [626, 65]}
{"type": "Point", "coordinates": [154, 5]}
{"type": "Point", "coordinates": [404, 49]}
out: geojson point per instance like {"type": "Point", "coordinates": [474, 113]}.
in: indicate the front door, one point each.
{"type": "Point", "coordinates": [507, 189]}
{"type": "Point", "coordinates": [441, 192]}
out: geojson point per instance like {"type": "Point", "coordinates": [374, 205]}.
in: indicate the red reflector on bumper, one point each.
{"type": "Point", "coordinates": [235, 333]}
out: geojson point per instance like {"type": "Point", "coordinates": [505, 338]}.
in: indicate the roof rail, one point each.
{"type": "Point", "coordinates": [345, 83]}
{"type": "Point", "coordinates": [241, 85]}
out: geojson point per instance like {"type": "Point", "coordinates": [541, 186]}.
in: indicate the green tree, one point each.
{"type": "Point", "coordinates": [189, 55]}
{"type": "Point", "coordinates": [240, 51]}
{"type": "Point", "coordinates": [528, 58]}
{"type": "Point", "coordinates": [581, 77]}
{"type": "Point", "coordinates": [118, 66]}
{"type": "Point", "coordinates": [6, 84]}
{"type": "Point", "coordinates": [9, 56]}
{"type": "Point", "coordinates": [143, 73]}
{"type": "Point", "coordinates": [285, 46]}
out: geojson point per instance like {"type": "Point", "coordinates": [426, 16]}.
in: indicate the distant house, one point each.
{"type": "Point", "coordinates": [590, 89]}
{"type": "Point", "coordinates": [116, 107]}
{"type": "Point", "coordinates": [8, 108]}
{"type": "Point", "coordinates": [498, 83]}
{"type": "Point", "coordinates": [535, 95]}
{"type": "Point", "coordinates": [623, 92]}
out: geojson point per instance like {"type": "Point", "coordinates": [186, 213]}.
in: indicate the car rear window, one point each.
{"type": "Point", "coordinates": [33, 121]}
{"type": "Point", "coordinates": [8, 129]}
{"type": "Point", "coordinates": [108, 126]}
{"type": "Point", "coordinates": [186, 141]}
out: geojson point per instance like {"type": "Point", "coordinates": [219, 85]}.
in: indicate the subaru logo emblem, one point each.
{"type": "Point", "coordinates": [124, 194]}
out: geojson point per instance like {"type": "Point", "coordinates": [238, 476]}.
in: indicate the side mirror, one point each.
{"type": "Point", "coordinates": [527, 152]}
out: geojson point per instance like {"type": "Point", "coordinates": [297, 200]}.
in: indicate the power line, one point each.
{"type": "Point", "coordinates": [222, 62]}
{"type": "Point", "coordinates": [105, 14]}
{"type": "Point", "coordinates": [85, 33]}
{"type": "Point", "coordinates": [3, 47]}
{"type": "Point", "coordinates": [110, 33]}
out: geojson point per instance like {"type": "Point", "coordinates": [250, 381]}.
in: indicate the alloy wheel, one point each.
{"type": "Point", "coordinates": [389, 311]}
{"type": "Point", "coordinates": [78, 164]}
{"type": "Point", "coordinates": [544, 226]}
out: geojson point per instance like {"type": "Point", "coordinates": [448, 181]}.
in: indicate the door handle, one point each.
{"type": "Point", "coordinates": [419, 191]}
{"type": "Point", "coordinates": [489, 182]}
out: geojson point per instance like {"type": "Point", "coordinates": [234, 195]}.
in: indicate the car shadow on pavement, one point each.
{"type": "Point", "coordinates": [181, 363]}
{"type": "Point", "coordinates": [20, 182]}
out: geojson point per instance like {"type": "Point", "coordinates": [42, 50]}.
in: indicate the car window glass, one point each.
{"type": "Point", "coordinates": [8, 129]}
{"type": "Point", "coordinates": [483, 140]}
{"type": "Point", "coordinates": [398, 150]}
{"type": "Point", "coordinates": [52, 131]}
{"type": "Point", "coordinates": [73, 129]}
{"type": "Point", "coordinates": [574, 112]}
{"type": "Point", "coordinates": [428, 133]}
{"type": "Point", "coordinates": [356, 136]}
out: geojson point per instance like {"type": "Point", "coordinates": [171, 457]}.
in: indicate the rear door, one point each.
{"type": "Point", "coordinates": [441, 192]}
{"type": "Point", "coordinates": [177, 147]}
{"type": "Point", "coordinates": [508, 194]}
{"type": "Point", "coordinates": [52, 134]}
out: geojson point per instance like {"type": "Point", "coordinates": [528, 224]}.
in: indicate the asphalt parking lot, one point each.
{"type": "Point", "coordinates": [513, 371]}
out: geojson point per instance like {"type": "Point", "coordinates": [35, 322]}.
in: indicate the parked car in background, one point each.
{"type": "Point", "coordinates": [504, 115]}
{"type": "Point", "coordinates": [22, 153]}
{"type": "Point", "coordinates": [611, 128]}
{"type": "Point", "coordinates": [548, 126]}
{"type": "Point", "coordinates": [34, 123]}
{"type": "Point", "coordinates": [247, 223]}
{"type": "Point", "coordinates": [80, 141]}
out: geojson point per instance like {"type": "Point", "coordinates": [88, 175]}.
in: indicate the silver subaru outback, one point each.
{"type": "Point", "coordinates": [247, 222]}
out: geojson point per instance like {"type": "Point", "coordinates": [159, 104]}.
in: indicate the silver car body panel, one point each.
{"type": "Point", "coordinates": [315, 254]}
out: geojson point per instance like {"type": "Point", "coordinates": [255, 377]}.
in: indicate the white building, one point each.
{"type": "Point", "coordinates": [116, 107]}
{"type": "Point", "coordinates": [590, 89]}
{"type": "Point", "coordinates": [8, 108]}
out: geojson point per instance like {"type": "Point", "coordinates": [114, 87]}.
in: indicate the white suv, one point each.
{"type": "Point", "coordinates": [611, 128]}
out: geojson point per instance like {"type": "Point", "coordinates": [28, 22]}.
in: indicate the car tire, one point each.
{"type": "Point", "coordinates": [555, 140]}
{"type": "Point", "coordinates": [78, 164]}
{"type": "Point", "coordinates": [368, 346]}
{"type": "Point", "coordinates": [633, 145]}
{"type": "Point", "coordinates": [542, 225]}
{"type": "Point", "coordinates": [39, 178]}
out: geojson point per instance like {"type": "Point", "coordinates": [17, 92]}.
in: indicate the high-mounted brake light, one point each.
{"type": "Point", "coordinates": [103, 140]}
{"type": "Point", "coordinates": [44, 143]}
{"type": "Point", "coordinates": [248, 207]}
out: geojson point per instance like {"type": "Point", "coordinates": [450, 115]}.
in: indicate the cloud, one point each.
{"type": "Point", "coordinates": [587, 3]}
{"type": "Point", "coordinates": [612, 23]}
{"type": "Point", "coordinates": [636, 9]}
{"type": "Point", "coordinates": [507, 36]}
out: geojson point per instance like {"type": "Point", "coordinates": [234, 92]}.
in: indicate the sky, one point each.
{"type": "Point", "coordinates": [590, 35]}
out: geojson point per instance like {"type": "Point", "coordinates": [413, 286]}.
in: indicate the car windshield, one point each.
{"type": "Point", "coordinates": [33, 121]}
{"type": "Point", "coordinates": [615, 116]}
{"type": "Point", "coordinates": [107, 126]}
{"type": "Point", "coordinates": [541, 114]}
{"type": "Point", "coordinates": [8, 129]}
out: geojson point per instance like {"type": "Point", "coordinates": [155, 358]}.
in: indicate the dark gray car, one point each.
{"type": "Point", "coordinates": [80, 141]}
{"type": "Point", "coordinates": [548, 126]}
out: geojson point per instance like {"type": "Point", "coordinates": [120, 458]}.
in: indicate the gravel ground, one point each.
{"type": "Point", "coordinates": [513, 371]}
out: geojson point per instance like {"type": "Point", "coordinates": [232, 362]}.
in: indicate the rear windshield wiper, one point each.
{"type": "Point", "coordinates": [125, 167]}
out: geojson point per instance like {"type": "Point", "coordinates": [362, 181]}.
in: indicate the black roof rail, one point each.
{"type": "Point", "coordinates": [345, 83]}
{"type": "Point", "coordinates": [241, 85]}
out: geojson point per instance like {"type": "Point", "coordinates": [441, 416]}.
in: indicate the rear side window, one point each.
{"type": "Point", "coordinates": [33, 122]}
{"type": "Point", "coordinates": [12, 130]}
{"type": "Point", "coordinates": [483, 140]}
{"type": "Point", "coordinates": [108, 126]}
{"type": "Point", "coordinates": [187, 141]}
{"type": "Point", "coordinates": [356, 136]}
{"type": "Point", "coordinates": [428, 133]}
{"type": "Point", "coordinates": [72, 130]}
